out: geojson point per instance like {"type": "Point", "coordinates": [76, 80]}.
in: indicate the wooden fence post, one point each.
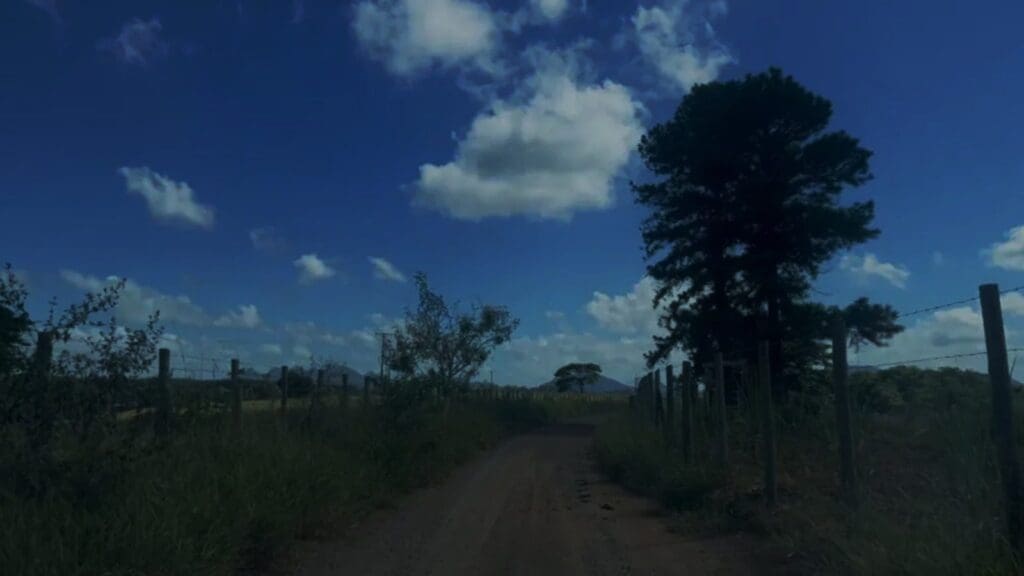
{"type": "Point", "coordinates": [847, 473]}
{"type": "Point", "coordinates": [659, 415]}
{"type": "Point", "coordinates": [284, 393]}
{"type": "Point", "coordinates": [670, 406]}
{"type": "Point", "coordinates": [163, 416]}
{"type": "Point", "coordinates": [236, 390]}
{"type": "Point", "coordinates": [764, 386]}
{"type": "Point", "coordinates": [722, 422]}
{"type": "Point", "coordinates": [1002, 408]}
{"type": "Point", "coordinates": [319, 388]}
{"type": "Point", "coordinates": [686, 411]}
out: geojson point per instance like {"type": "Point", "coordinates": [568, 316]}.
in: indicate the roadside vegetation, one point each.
{"type": "Point", "coordinates": [95, 480]}
{"type": "Point", "coordinates": [930, 500]}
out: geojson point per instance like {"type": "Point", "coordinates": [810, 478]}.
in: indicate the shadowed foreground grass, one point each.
{"type": "Point", "coordinates": [930, 501]}
{"type": "Point", "coordinates": [216, 501]}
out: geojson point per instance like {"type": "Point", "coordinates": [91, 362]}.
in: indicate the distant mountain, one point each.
{"type": "Point", "coordinates": [604, 385]}
{"type": "Point", "coordinates": [332, 377]}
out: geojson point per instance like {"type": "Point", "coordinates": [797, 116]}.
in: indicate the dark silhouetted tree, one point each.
{"type": "Point", "coordinates": [577, 374]}
{"type": "Point", "coordinates": [748, 209]}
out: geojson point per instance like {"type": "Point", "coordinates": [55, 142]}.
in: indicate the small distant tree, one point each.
{"type": "Point", "coordinates": [578, 375]}
{"type": "Point", "coordinates": [444, 346]}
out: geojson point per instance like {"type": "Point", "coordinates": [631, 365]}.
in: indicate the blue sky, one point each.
{"type": "Point", "coordinates": [271, 174]}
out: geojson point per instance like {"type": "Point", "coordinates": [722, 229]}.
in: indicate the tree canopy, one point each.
{"type": "Point", "coordinates": [444, 345]}
{"type": "Point", "coordinates": [745, 212]}
{"type": "Point", "coordinates": [578, 375]}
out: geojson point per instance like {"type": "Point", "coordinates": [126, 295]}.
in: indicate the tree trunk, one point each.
{"type": "Point", "coordinates": [779, 384]}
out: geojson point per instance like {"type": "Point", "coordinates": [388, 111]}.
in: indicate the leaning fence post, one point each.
{"type": "Point", "coordinates": [722, 422]}
{"type": "Point", "coordinates": [764, 386]}
{"type": "Point", "coordinates": [1002, 408]}
{"type": "Point", "coordinates": [686, 411]}
{"type": "Point", "coordinates": [236, 389]}
{"type": "Point", "coordinates": [163, 417]}
{"type": "Point", "coordinates": [847, 473]}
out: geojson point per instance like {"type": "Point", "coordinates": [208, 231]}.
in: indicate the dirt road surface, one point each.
{"type": "Point", "coordinates": [535, 506]}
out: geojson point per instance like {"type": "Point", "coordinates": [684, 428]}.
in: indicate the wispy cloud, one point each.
{"type": "Point", "coordinates": [167, 200]}
{"type": "Point", "coordinates": [384, 270]}
{"type": "Point", "coordinates": [138, 43]}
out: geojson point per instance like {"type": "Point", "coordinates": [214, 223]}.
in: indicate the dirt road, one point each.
{"type": "Point", "coordinates": [533, 507]}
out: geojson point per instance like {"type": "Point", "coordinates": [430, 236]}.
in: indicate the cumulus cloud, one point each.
{"type": "Point", "coordinates": [551, 10]}
{"type": "Point", "coordinates": [945, 332]}
{"type": "Point", "coordinates": [1008, 254]}
{"type": "Point", "coordinates": [274, 349]}
{"type": "Point", "coordinates": [138, 302]}
{"type": "Point", "coordinates": [167, 200]}
{"type": "Point", "coordinates": [870, 266]}
{"type": "Point", "coordinates": [629, 313]}
{"type": "Point", "coordinates": [938, 258]}
{"type": "Point", "coordinates": [247, 316]}
{"type": "Point", "coordinates": [384, 270]}
{"type": "Point", "coordinates": [137, 43]}
{"type": "Point", "coordinates": [413, 36]}
{"type": "Point", "coordinates": [532, 360]}
{"type": "Point", "coordinates": [1013, 303]}
{"type": "Point", "coordinates": [676, 39]}
{"type": "Point", "coordinates": [549, 151]}
{"type": "Point", "coordinates": [312, 268]}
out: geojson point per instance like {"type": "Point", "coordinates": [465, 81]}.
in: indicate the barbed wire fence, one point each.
{"type": "Point", "coordinates": [703, 405]}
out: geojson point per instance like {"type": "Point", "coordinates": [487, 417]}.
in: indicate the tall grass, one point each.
{"type": "Point", "coordinates": [215, 501]}
{"type": "Point", "coordinates": [930, 491]}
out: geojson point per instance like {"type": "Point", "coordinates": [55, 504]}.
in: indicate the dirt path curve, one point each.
{"type": "Point", "coordinates": [533, 507]}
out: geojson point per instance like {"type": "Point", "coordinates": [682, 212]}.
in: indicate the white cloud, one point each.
{"type": "Point", "coordinates": [1009, 254]}
{"type": "Point", "coordinates": [137, 302]}
{"type": "Point", "coordinates": [629, 313]}
{"type": "Point", "coordinates": [301, 352]}
{"type": "Point", "coordinates": [938, 258]}
{"type": "Point", "coordinates": [530, 361]}
{"type": "Point", "coordinates": [384, 270]}
{"type": "Point", "coordinates": [677, 40]}
{"type": "Point", "coordinates": [247, 316]}
{"type": "Point", "coordinates": [870, 266]}
{"type": "Point", "coordinates": [550, 10]}
{"type": "Point", "coordinates": [551, 150]}
{"type": "Point", "coordinates": [274, 349]}
{"type": "Point", "coordinates": [1013, 303]}
{"type": "Point", "coordinates": [412, 36]}
{"type": "Point", "coordinates": [945, 332]}
{"type": "Point", "coordinates": [167, 200]}
{"type": "Point", "coordinates": [137, 43]}
{"type": "Point", "coordinates": [312, 268]}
